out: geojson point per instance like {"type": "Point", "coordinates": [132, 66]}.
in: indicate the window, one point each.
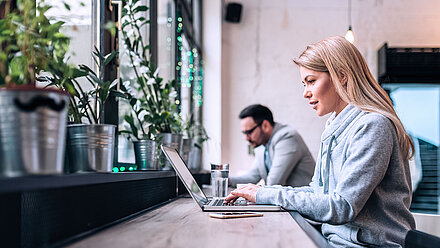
{"type": "Point", "coordinates": [177, 29]}
{"type": "Point", "coordinates": [189, 71]}
{"type": "Point", "coordinates": [423, 127]}
{"type": "Point", "coordinates": [127, 76]}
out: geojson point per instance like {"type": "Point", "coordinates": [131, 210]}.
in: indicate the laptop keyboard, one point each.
{"type": "Point", "coordinates": [220, 202]}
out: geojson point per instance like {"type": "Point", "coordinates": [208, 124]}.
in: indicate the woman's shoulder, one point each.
{"type": "Point", "coordinates": [370, 128]}
{"type": "Point", "coordinates": [374, 120]}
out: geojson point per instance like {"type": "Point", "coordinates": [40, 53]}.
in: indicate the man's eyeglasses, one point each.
{"type": "Point", "coordinates": [250, 131]}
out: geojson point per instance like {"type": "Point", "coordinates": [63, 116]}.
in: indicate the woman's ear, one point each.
{"type": "Point", "coordinates": [343, 77]}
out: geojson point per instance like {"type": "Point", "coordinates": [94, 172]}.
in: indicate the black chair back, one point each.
{"type": "Point", "coordinates": [418, 239]}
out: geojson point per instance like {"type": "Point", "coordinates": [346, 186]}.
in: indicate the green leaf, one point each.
{"type": "Point", "coordinates": [125, 132]}
{"type": "Point", "coordinates": [124, 11]}
{"type": "Point", "coordinates": [140, 8]}
{"type": "Point", "coordinates": [124, 24]}
{"type": "Point", "coordinates": [144, 23]}
{"type": "Point", "coordinates": [103, 94]}
{"type": "Point", "coordinates": [71, 90]}
{"type": "Point", "coordinates": [66, 6]}
{"type": "Point", "coordinates": [98, 54]}
{"type": "Point", "coordinates": [133, 101]}
{"type": "Point", "coordinates": [78, 73]}
{"type": "Point", "coordinates": [109, 57]}
{"type": "Point", "coordinates": [130, 120]}
{"type": "Point", "coordinates": [95, 79]}
{"type": "Point", "coordinates": [111, 26]}
{"type": "Point", "coordinates": [17, 66]}
{"type": "Point", "coordinates": [118, 94]}
{"type": "Point", "coordinates": [87, 69]}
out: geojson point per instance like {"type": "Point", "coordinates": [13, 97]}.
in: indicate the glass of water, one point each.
{"type": "Point", "coordinates": [219, 180]}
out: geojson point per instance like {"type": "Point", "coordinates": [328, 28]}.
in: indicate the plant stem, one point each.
{"type": "Point", "coordinates": [142, 128]}
{"type": "Point", "coordinates": [76, 116]}
{"type": "Point", "coordinates": [133, 20]}
{"type": "Point", "coordinates": [88, 104]}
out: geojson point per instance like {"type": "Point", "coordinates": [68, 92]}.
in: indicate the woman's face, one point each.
{"type": "Point", "coordinates": [319, 90]}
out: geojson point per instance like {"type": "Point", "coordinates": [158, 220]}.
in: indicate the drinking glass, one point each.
{"type": "Point", "coordinates": [219, 180]}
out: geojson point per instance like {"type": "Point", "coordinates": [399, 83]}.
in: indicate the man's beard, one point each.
{"type": "Point", "coordinates": [254, 144]}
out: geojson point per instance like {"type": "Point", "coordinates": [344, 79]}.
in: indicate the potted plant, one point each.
{"type": "Point", "coordinates": [192, 145]}
{"type": "Point", "coordinates": [90, 143]}
{"type": "Point", "coordinates": [32, 119]}
{"type": "Point", "coordinates": [154, 114]}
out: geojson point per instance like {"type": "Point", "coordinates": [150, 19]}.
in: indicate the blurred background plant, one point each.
{"type": "Point", "coordinates": [33, 49]}
{"type": "Point", "coordinates": [196, 132]}
{"type": "Point", "coordinates": [30, 43]}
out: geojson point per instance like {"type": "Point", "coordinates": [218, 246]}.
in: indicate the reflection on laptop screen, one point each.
{"type": "Point", "coordinates": [185, 175]}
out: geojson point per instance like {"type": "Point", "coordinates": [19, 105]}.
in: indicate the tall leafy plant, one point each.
{"type": "Point", "coordinates": [86, 105]}
{"type": "Point", "coordinates": [151, 99]}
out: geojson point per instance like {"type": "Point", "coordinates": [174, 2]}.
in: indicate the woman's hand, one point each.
{"type": "Point", "coordinates": [248, 192]}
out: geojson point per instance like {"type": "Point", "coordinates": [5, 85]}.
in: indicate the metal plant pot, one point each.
{"type": "Point", "coordinates": [173, 140]}
{"type": "Point", "coordinates": [195, 159]}
{"type": "Point", "coordinates": [32, 130]}
{"type": "Point", "coordinates": [91, 147]}
{"type": "Point", "coordinates": [185, 149]}
{"type": "Point", "coordinates": [146, 154]}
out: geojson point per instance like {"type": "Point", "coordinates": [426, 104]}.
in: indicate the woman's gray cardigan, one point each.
{"type": "Point", "coordinates": [361, 188]}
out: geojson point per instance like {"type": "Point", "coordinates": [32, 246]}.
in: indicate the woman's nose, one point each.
{"type": "Point", "coordinates": [307, 93]}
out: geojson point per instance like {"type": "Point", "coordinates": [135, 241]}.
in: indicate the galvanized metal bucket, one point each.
{"type": "Point", "coordinates": [173, 140]}
{"type": "Point", "coordinates": [185, 149]}
{"type": "Point", "coordinates": [146, 154]}
{"type": "Point", "coordinates": [32, 130]}
{"type": "Point", "coordinates": [195, 159]}
{"type": "Point", "coordinates": [91, 147]}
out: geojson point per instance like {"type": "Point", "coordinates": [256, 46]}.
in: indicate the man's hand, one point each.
{"type": "Point", "coordinates": [248, 192]}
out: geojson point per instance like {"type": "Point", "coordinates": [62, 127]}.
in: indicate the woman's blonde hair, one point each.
{"type": "Point", "coordinates": [353, 81]}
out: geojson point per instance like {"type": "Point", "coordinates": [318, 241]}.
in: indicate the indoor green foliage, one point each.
{"type": "Point", "coordinates": [86, 105]}
{"type": "Point", "coordinates": [153, 109]}
{"type": "Point", "coordinates": [196, 132]}
{"type": "Point", "coordinates": [29, 43]}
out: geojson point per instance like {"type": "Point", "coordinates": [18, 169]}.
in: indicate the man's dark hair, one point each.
{"type": "Point", "coordinates": [258, 112]}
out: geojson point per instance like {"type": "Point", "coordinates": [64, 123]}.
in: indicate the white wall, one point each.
{"type": "Point", "coordinates": [256, 58]}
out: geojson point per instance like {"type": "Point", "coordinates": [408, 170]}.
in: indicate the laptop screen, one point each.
{"type": "Point", "coordinates": [185, 175]}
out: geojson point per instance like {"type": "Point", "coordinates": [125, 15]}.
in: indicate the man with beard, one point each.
{"type": "Point", "coordinates": [281, 156]}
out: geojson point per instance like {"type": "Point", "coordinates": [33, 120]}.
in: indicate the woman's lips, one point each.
{"type": "Point", "coordinates": [314, 104]}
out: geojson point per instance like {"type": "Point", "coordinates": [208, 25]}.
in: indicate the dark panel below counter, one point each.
{"type": "Point", "coordinates": [43, 211]}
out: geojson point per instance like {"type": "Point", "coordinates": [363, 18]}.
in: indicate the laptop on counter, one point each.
{"type": "Point", "coordinates": [213, 205]}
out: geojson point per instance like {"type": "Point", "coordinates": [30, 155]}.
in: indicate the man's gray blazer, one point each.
{"type": "Point", "coordinates": [292, 163]}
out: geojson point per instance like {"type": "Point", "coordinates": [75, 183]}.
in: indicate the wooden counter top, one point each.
{"type": "Point", "coordinates": [182, 223]}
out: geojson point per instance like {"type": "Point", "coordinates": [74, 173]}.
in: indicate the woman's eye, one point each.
{"type": "Point", "coordinates": [311, 81]}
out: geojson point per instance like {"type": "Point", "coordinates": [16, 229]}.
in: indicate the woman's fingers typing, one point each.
{"type": "Point", "coordinates": [248, 192]}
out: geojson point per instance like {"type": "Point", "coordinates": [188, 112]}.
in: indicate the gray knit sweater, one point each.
{"type": "Point", "coordinates": [361, 188]}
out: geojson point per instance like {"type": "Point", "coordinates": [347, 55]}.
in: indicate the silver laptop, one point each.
{"type": "Point", "coordinates": [215, 205]}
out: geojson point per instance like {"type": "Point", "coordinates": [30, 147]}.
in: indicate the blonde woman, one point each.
{"type": "Point", "coordinates": [361, 188]}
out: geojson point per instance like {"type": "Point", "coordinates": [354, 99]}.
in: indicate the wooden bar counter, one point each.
{"type": "Point", "coordinates": [182, 223]}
